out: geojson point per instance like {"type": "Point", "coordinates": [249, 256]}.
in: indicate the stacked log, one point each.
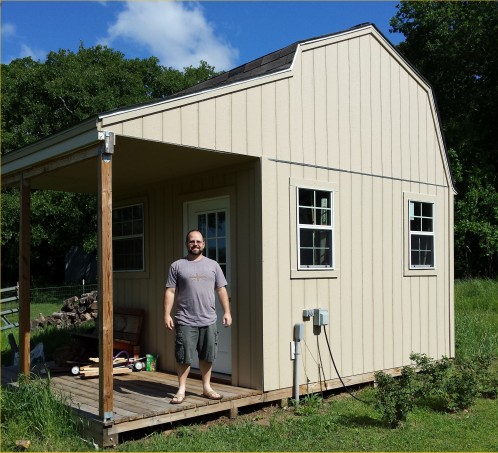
{"type": "Point", "coordinates": [74, 311]}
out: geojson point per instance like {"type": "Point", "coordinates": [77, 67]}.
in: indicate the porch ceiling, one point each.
{"type": "Point", "coordinates": [136, 163]}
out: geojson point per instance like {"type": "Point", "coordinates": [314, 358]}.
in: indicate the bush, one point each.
{"type": "Point", "coordinates": [447, 384]}
{"type": "Point", "coordinates": [394, 397]}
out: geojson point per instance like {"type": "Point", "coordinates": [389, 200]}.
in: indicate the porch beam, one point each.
{"type": "Point", "coordinates": [24, 277]}
{"type": "Point", "coordinates": [105, 294]}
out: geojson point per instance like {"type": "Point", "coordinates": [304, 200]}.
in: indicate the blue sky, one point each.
{"type": "Point", "coordinates": [223, 33]}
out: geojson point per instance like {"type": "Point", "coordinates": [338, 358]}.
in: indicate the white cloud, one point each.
{"type": "Point", "coordinates": [175, 32]}
{"type": "Point", "coordinates": [35, 54]}
{"type": "Point", "coordinates": [8, 30]}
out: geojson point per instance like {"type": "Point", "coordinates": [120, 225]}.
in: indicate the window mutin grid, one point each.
{"type": "Point", "coordinates": [128, 238]}
{"type": "Point", "coordinates": [315, 224]}
{"type": "Point", "coordinates": [421, 232]}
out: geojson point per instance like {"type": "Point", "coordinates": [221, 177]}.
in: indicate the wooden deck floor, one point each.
{"type": "Point", "coordinates": [141, 399]}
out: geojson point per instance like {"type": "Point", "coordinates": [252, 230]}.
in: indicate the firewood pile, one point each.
{"type": "Point", "coordinates": [73, 313]}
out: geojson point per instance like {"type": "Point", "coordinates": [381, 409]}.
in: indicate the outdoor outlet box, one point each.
{"type": "Point", "coordinates": [320, 317]}
{"type": "Point", "coordinates": [298, 332]}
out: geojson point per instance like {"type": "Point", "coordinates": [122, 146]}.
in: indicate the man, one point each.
{"type": "Point", "coordinates": [192, 283]}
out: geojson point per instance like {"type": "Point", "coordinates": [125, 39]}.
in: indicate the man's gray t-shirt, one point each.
{"type": "Point", "coordinates": [195, 283]}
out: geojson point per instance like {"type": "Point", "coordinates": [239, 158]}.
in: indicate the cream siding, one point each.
{"type": "Point", "coordinates": [349, 112]}
{"type": "Point", "coordinates": [374, 119]}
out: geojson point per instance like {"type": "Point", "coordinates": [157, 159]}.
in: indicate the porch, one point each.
{"type": "Point", "coordinates": [141, 400]}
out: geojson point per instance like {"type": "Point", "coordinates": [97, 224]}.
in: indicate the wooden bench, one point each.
{"type": "Point", "coordinates": [127, 328]}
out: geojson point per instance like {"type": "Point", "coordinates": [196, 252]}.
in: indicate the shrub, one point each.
{"type": "Point", "coordinates": [446, 384]}
{"type": "Point", "coordinates": [394, 397]}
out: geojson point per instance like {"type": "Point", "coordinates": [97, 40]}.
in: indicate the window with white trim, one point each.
{"type": "Point", "coordinates": [421, 231]}
{"type": "Point", "coordinates": [128, 238]}
{"type": "Point", "coordinates": [315, 225]}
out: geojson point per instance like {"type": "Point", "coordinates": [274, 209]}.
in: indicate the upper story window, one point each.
{"type": "Point", "coordinates": [128, 238]}
{"type": "Point", "coordinates": [421, 231]}
{"type": "Point", "coordinates": [315, 225]}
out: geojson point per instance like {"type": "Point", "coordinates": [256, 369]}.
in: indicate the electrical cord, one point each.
{"type": "Point", "coordinates": [337, 371]}
{"type": "Point", "coordinates": [321, 372]}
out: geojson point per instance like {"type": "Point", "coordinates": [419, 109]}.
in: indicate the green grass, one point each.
{"type": "Point", "coordinates": [476, 317]}
{"type": "Point", "coordinates": [336, 423]}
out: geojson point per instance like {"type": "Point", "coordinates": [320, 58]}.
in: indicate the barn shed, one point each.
{"type": "Point", "coordinates": [320, 177]}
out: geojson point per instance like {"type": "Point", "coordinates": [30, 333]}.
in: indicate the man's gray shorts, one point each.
{"type": "Point", "coordinates": [189, 339]}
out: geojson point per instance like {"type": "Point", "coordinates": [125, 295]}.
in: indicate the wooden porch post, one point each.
{"type": "Point", "coordinates": [105, 296]}
{"type": "Point", "coordinates": [24, 278]}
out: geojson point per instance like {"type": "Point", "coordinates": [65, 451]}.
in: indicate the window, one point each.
{"type": "Point", "coordinates": [315, 229]}
{"type": "Point", "coordinates": [421, 230]}
{"type": "Point", "coordinates": [128, 238]}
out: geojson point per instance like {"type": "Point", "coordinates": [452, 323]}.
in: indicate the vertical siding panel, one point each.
{"type": "Point", "coordinates": [190, 125]}
{"type": "Point", "coordinates": [283, 120]}
{"type": "Point", "coordinates": [378, 258]}
{"type": "Point", "coordinates": [320, 95]}
{"type": "Point", "coordinates": [425, 299]}
{"type": "Point", "coordinates": [414, 131]}
{"type": "Point", "coordinates": [385, 81]}
{"type": "Point", "coordinates": [368, 265]}
{"type": "Point", "coordinates": [308, 106]}
{"type": "Point", "coordinates": [271, 303]}
{"type": "Point", "coordinates": [395, 121]}
{"type": "Point", "coordinates": [239, 123]}
{"type": "Point", "coordinates": [153, 127]}
{"type": "Point", "coordinates": [296, 113]}
{"type": "Point", "coordinates": [223, 123]}
{"type": "Point", "coordinates": [332, 107]}
{"type": "Point", "coordinates": [246, 301]}
{"type": "Point", "coordinates": [356, 226]}
{"type": "Point", "coordinates": [346, 274]}
{"type": "Point", "coordinates": [432, 150]}
{"type": "Point", "coordinates": [335, 337]}
{"type": "Point", "coordinates": [442, 262]}
{"type": "Point", "coordinates": [405, 125]}
{"type": "Point", "coordinates": [354, 104]}
{"type": "Point", "coordinates": [254, 134]}
{"type": "Point", "coordinates": [344, 102]}
{"type": "Point", "coordinates": [387, 269]}
{"type": "Point", "coordinates": [397, 274]}
{"type": "Point", "coordinates": [207, 124]}
{"type": "Point", "coordinates": [376, 115]}
{"type": "Point", "coordinates": [422, 135]}
{"type": "Point", "coordinates": [288, 315]}
{"type": "Point", "coordinates": [269, 116]}
{"type": "Point", "coordinates": [433, 321]}
{"type": "Point", "coordinates": [172, 126]}
{"type": "Point", "coordinates": [365, 106]}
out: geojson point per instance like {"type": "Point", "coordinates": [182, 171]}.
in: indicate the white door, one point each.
{"type": "Point", "coordinates": [212, 218]}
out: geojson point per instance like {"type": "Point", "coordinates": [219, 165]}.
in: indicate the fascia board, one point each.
{"type": "Point", "coordinates": [67, 141]}
{"type": "Point", "coordinates": [167, 104]}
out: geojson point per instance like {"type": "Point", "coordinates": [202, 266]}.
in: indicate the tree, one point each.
{"type": "Point", "coordinates": [453, 44]}
{"type": "Point", "coordinates": [41, 98]}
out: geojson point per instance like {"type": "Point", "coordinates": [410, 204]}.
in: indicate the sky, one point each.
{"type": "Point", "coordinates": [225, 34]}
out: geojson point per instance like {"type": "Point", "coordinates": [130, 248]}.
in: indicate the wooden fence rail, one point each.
{"type": "Point", "coordinates": [9, 297]}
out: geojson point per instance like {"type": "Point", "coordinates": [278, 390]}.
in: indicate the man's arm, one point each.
{"type": "Point", "coordinates": [225, 304]}
{"type": "Point", "coordinates": [169, 299]}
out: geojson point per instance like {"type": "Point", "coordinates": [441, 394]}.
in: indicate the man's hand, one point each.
{"type": "Point", "coordinates": [169, 298]}
{"type": "Point", "coordinates": [169, 323]}
{"type": "Point", "coordinates": [227, 319]}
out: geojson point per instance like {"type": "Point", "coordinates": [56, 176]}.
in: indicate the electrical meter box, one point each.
{"type": "Point", "coordinates": [320, 317]}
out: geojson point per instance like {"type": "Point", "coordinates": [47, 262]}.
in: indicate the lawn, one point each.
{"type": "Point", "coordinates": [336, 422]}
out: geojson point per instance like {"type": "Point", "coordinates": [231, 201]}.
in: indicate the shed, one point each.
{"type": "Point", "coordinates": [320, 177]}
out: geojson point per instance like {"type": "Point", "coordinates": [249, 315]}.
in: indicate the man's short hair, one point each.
{"type": "Point", "coordinates": [193, 231]}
